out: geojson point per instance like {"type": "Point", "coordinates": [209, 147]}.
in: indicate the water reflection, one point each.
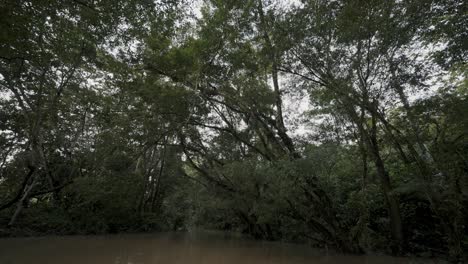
{"type": "Point", "coordinates": [169, 248]}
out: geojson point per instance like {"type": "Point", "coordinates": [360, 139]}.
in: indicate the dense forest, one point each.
{"type": "Point", "coordinates": [341, 124]}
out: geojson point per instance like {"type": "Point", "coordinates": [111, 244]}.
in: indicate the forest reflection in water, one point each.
{"type": "Point", "coordinates": [171, 248]}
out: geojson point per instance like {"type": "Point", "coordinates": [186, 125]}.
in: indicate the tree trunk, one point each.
{"type": "Point", "coordinates": [273, 57]}
{"type": "Point", "coordinates": [24, 198]}
{"type": "Point", "coordinates": [18, 196]}
{"type": "Point", "coordinates": [394, 214]}
{"type": "Point", "coordinates": [393, 206]}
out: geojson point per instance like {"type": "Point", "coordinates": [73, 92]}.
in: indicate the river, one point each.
{"type": "Point", "coordinates": [171, 248]}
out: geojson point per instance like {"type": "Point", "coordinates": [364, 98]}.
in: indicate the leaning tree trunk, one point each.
{"type": "Point", "coordinates": [24, 198]}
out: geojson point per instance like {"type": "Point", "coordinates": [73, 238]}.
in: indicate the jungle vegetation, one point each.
{"type": "Point", "coordinates": [341, 124]}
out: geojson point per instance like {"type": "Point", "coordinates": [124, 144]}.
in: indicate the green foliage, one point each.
{"type": "Point", "coordinates": [121, 116]}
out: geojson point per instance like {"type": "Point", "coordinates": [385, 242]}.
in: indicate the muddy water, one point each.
{"type": "Point", "coordinates": [170, 248]}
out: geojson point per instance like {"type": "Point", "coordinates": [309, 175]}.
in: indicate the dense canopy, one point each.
{"type": "Point", "coordinates": [341, 124]}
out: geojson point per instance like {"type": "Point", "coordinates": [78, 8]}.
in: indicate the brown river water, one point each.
{"type": "Point", "coordinates": [172, 248]}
